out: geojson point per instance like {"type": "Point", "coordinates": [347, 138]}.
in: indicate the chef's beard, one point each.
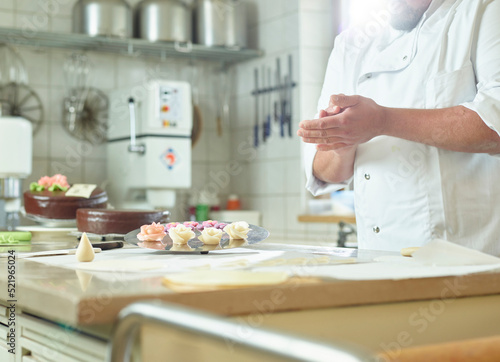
{"type": "Point", "coordinates": [405, 17]}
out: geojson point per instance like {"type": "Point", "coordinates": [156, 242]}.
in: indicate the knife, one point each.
{"type": "Point", "coordinates": [281, 89]}
{"type": "Point", "coordinates": [290, 94]}
{"type": "Point", "coordinates": [256, 94]}
{"type": "Point", "coordinates": [45, 253]}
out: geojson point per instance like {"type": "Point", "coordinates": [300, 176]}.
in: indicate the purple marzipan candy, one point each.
{"type": "Point", "coordinates": [220, 225]}
{"type": "Point", "coordinates": [191, 224]}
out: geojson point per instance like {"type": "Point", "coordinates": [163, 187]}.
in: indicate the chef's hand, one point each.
{"type": "Point", "coordinates": [347, 122]}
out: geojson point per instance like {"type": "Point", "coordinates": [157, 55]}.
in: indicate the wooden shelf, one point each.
{"type": "Point", "coordinates": [132, 47]}
{"type": "Point", "coordinates": [327, 218]}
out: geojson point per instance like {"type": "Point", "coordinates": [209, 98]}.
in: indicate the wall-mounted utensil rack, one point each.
{"type": "Point", "coordinates": [132, 47]}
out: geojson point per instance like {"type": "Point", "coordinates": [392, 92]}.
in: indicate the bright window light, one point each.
{"type": "Point", "coordinates": [362, 11]}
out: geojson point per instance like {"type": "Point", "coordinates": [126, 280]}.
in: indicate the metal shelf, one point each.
{"type": "Point", "coordinates": [132, 47]}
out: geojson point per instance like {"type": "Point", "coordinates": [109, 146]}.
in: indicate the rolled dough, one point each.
{"type": "Point", "coordinates": [226, 278]}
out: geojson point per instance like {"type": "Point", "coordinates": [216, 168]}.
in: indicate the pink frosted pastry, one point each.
{"type": "Point", "coordinates": [171, 225]}
{"type": "Point", "coordinates": [210, 236]}
{"type": "Point", "coordinates": [237, 230]}
{"type": "Point", "coordinates": [181, 234]}
{"type": "Point", "coordinates": [153, 232]}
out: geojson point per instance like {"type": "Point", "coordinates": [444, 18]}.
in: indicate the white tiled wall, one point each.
{"type": "Point", "coordinates": [269, 179]}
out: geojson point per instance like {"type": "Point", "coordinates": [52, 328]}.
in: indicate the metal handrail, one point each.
{"type": "Point", "coordinates": [273, 343]}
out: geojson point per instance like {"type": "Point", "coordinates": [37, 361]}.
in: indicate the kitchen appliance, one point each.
{"type": "Point", "coordinates": [221, 23]}
{"type": "Point", "coordinates": [15, 164]}
{"type": "Point", "coordinates": [163, 20]}
{"type": "Point", "coordinates": [103, 18]}
{"type": "Point", "coordinates": [149, 144]}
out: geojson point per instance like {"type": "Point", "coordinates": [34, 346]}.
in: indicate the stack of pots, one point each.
{"type": "Point", "coordinates": [206, 22]}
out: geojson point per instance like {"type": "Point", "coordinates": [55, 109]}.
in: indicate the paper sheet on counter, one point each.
{"type": "Point", "coordinates": [138, 263]}
{"type": "Point", "coordinates": [438, 258]}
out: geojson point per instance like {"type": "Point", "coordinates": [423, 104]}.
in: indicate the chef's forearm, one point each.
{"type": "Point", "coordinates": [334, 166]}
{"type": "Point", "coordinates": [456, 128]}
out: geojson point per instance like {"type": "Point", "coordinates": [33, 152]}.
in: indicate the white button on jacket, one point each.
{"type": "Point", "coordinates": [410, 192]}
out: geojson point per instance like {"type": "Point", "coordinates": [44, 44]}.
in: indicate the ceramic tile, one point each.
{"type": "Point", "coordinates": [7, 5]}
{"type": "Point", "coordinates": [219, 147]}
{"type": "Point", "coordinates": [41, 141]}
{"type": "Point", "coordinates": [275, 177]}
{"type": "Point", "coordinates": [73, 171]}
{"type": "Point", "coordinates": [94, 172]}
{"type": "Point", "coordinates": [37, 65]}
{"type": "Point", "coordinates": [274, 214]}
{"type": "Point", "coordinates": [32, 22]}
{"type": "Point", "coordinates": [316, 29]}
{"type": "Point", "coordinates": [131, 72]}
{"type": "Point", "coordinates": [61, 24]}
{"type": "Point", "coordinates": [241, 181]}
{"type": "Point", "coordinates": [102, 73]}
{"type": "Point", "coordinates": [40, 167]}
{"type": "Point", "coordinates": [245, 111]}
{"type": "Point", "coordinates": [315, 5]}
{"type": "Point", "coordinates": [218, 179]}
{"type": "Point", "coordinates": [309, 96]}
{"type": "Point", "coordinates": [270, 9]}
{"type": "Point", "coordinates": [57, 74]}
{"type": "Point", "coordinates": [199, 176]}
{"type": "Point", "coordinates": [6, 18]}
{"type": "Point", "coordinates": [313, 64]}
{"type": "Point", "coordinates": [292, 209]}
{"type": "Point", "coordinates": [294, 176]}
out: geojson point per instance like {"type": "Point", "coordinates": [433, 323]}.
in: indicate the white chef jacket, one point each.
{"type": "Point", "coordinates": [407, 193]}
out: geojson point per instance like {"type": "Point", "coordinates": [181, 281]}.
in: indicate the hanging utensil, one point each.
{"type": "Point", "coordinates": [12, 68]}
{"type": "Point", "coordinates": [269, 103]}
{"type": "Point", "coordinates": [76, 76]}
{"type": "Point", "coordinates": [290, 95]}
{"type": "Point", "coordinates": [90, 123]}
{"type": "Point", "coordinates": [282, 102]}
{"type": "Point", "coordinates": [256, 95]}
{"type": "Point", "coordinates": [193, 78]}
{"type": "Point", "coordinates": [23, 102]}
{"type": "Point", "coordinates": [222, 95]}
{"type": "Point", "coordinates": [264, 104]}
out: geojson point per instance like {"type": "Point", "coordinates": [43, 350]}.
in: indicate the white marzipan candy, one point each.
{"type": "Point", "coordinates": [211, 236]}
{"type": "Point", "coordinates": [181, 234]}
{"type": "Point", "coordinates": [237, 230]}
{"type": "Point", "coordinates": [85, 250]}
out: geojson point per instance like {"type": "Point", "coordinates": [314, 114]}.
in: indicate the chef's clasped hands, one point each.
{"type": "Point", "coordinates": [347, 122]}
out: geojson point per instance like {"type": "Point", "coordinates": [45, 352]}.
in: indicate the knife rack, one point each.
{"type": "Point", "coordinates": [273, 100]}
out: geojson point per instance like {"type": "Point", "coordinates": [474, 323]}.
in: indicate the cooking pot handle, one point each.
{"type": "Point", "coordinates": [183, 47]}
{"type": "Point", "coordinates": [165, 216]}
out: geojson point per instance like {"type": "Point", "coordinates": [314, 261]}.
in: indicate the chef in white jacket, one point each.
{"type": "Point", "coordinates": [410, 113]}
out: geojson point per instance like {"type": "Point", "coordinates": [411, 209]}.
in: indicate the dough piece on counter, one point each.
{"type": "Point", "coordinates": [181, 234]}
{"type": "Point", "coordinates": [237, 230]}
{"type": "Point", "coordinates": [210, 236]}
{"type": "Point", "coordinates": [226, 278]}
{"type": "Point", "coordinates": [409, 251]}
{"type": "Point", "coordinates": [85, 250]}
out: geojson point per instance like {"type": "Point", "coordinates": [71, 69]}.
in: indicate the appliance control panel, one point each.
{"type": "Point", "coordinates": [170, 106]}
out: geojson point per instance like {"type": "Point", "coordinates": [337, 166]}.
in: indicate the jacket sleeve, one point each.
{"type": "Point", "coordinates": [486, 60]}
{"type": "Point", "coordinates": [330, 86]}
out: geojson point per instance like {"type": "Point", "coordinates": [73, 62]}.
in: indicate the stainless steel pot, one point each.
{"type": "Point", "coordinates": [221, 23]}
{"type": "Point", "coordinates": [163, 20]}
{"type": "Point", "coordinates": [103, 17]}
